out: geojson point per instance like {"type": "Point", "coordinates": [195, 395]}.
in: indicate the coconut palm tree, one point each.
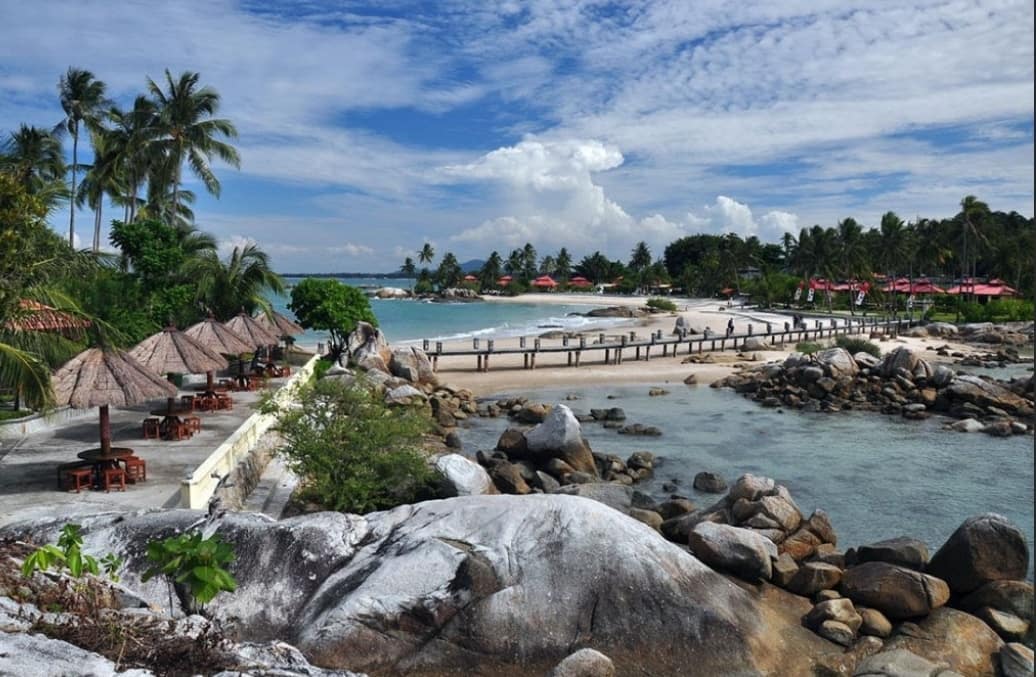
{"type": "Point", "coordinates": [515, 262]}
{"type": "Point", "coordinates": [83, 100]}
{"type": "Point", "coordinates": [129, 140]}
{"type": "Point", "coordinates": [973, 215]}
{"type": "Point", "coordinates": [102, 178]}
{"type": "Point", "coordinates": [529, 261]}
{"type": "Point", "coordinates": [186, 131]}
{"type": "Point", "coordinates": [239, 281]}
{"type": "Point", "coordinates": [850, 244]}
{"type": "Point", "coordinates": [491, 269]}
{"type": "Point", "coordinates": [410, 270]}
{"type": "Point", "coordinates": [33, 157]}
{"type": "Point", "coordinates": [563, 265]}
{"type": "Point", "coordinates": [426, 253]}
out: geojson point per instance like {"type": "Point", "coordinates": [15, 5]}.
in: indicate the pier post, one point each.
{"type": "Point", "coordinates": [438, 347]}
{"type": "Point", "coordinates": [474, 343]}
{"type": "Point", "coordinates": [638, 354]}
{"type": "Point", "coordinates": [600, 338]}
{"type": "Point", "coordinates": [607, 355]}
{"type": "Point", "coordinates": [521, 341]}
{"type": "Point", "coordinates": [424, 345]}
{"type": "Point", "coordinates": [579, 354]}
{"type": "Point", "coordinates": [478, 362]}
{"type": "Point", "coordinates": [525, 360]}
{"type": "Point", "coordinates": [570, 358]}
{"type": "Point", "coordinates": [582, 342]}
{"type": "Point", "coordinates": [532, 361]}
{"type": "Point", "coordinates": [749, 328]}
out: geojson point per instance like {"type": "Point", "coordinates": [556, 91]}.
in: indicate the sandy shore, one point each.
{"type": "Point", "coordinates": [507, 372]}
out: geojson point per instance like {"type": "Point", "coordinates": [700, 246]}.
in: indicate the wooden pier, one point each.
{"type": "Point", "coordinates": [616, 349]}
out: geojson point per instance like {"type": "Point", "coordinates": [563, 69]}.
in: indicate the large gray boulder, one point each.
{"type": "Point", "coordinates": [466, 477]}
{"type": "Point", "coordinates": [368, 347]}
{"type": "Point", "coordinates": [561, 436]}
{"type": "Point", "coordinates": [899, 663]}
{"type": "Point", "coordinates": [412, 364]}
{"type": "Point", "coordinates": [24, 654]}
{"type": "Point", "coordinates": [902, 360]}
{"type": "Point", "coordinates": [837, 362]}
{"type": "Point", "coordinates": [903, 550]}
{"type": "Point", "coordinates": [895, 591]}
{"type": "Point", "coordinates": [959, 640]}
{"type": "Point", "coordinates": [742, 552]}
{"type": "Point", "coordinates": [982, 393]}
{"type": "Point", "coordinates": [499, 585]}
{"type": "Point", "coordinates": [984, 548]}
{"type": "Point", "coordinates": [585, 663]}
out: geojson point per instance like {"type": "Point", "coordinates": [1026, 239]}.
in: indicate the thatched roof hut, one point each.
{"type": "Point", "coordinates": [217, 337]}
{"type": "Point", "coordinates": [171, 351]}
{"type": "Point", "coordinates": [245, 326]}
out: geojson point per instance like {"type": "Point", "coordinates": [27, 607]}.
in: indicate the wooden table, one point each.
{"type": "Point", "coordinates": [170, 417]}
{"type": "Point", "coordinates": [101, 459]}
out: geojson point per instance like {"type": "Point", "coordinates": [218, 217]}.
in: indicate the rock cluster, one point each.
{"type": "Point", "coordinates": [554, 454]}
{"type": "Point", "coordinates": [1007, 333]}
{"type": "Point", "coordinates": [902, 384]}
{"type": "Point", "coordinates": [889, 590]}
{"type": "Point", "coordinates": [405, 377]}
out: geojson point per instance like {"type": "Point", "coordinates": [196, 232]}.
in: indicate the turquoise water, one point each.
{"type": "Point", "coordinates": [877, 476]}
{"type": "Point", "coordinates": [405, 320]}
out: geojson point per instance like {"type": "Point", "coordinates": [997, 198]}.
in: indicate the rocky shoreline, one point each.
{"type": "Point", "coordinates": [549, 560]}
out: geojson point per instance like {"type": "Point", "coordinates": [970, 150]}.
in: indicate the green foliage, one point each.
{"type": "Point", "coordinates": [661, 304]}
{"type": "Point", "coordinates": [354, 453]}
{"type": "Point", "coordinates": [854, 344]}
{"type": "Point", "coordinates": [68, 554]}
{"type": "Point", "coordinates": [424, 285]}
{"type": "Point", "coordinates": [192, 564]}
{"type": "Point", "coordinates": [331, 306]}
{"type": "Point", "coordinates": [808, 347]}
{"type": "Point", "coordinates": [515, 288]}
{"type": "Point", "coordinates": [322, 365]}
{"type": "Point", "coordinates": [1008, 310]}
{"type": "Point", "coordinates": [971, 311]}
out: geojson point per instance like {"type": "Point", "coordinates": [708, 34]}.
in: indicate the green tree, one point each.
{"type": "Point", "coordinates": [529, 261]}
{"type": "Point", "coordinates": [333, 307]}
{"type": "Point", "coordinates": [449, 272]}
{"type": "Point", "coordinates": [353, 453]}
{"type": "Point", "coordinates": [82, 99]}
{"type": "Point", "coordinates": [640, 257]}
{"type": "Point", "coordinates": [129, 144]}
{"type": "Point", "coordinates": [241, 281]}
{"type": "Point", "coordinates": [186, 131]}
{"type": "Point", "coordinates": [426, 253]}
{"type": "Point", "coordinates": [515, 262]}
{"type": "Point", "coordinates": [598, 268]}
{"type": "Point", "coordinates": [563, 265]}
{"type": "Point", "coordinates": [853, 256]}
{"type": "Point", "coordinates": [491, 270]}
{"type": "Point", "coordinates": [33, 157]}
{"type": "Point", "coordinates": [973, 216]}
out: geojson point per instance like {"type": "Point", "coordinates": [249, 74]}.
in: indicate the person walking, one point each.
{"type": "Point", "coordinates": [730, 326]}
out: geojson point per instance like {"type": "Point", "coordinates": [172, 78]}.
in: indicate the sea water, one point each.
{"type": "Point", "coordinates": [405, 320]}
{"type": "Point", "coordinates": [877, 476]}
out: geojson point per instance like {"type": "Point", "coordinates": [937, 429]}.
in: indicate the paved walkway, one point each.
{"type": "Point", "coordinates": [28, 481]}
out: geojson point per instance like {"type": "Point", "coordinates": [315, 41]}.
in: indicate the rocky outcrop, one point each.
{"type": "Point", "coordinates": [478, 585]}
{"type": "Point", "coordinates": [465, 477]}
{"type": "Point", "coordinates": [959, 640]}
{"type": "Point", "coordinates": [901, 384]}
{"type": "Point", "coordinates": [739, 551]}
{"type": "Point", "coordinates": [896, 591]}
{"type": "Point", "coordinates": [984, 548]}
{"type": "Point", "coordinates": [585, 663]}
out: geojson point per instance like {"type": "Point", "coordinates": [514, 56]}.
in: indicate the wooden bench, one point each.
{"type": "Point", "coordinates": [113, 476]}
{"type": "Point", "coordinates": [75, 475]}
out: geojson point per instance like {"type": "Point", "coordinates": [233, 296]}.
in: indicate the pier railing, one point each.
{"type": "Point", "coordinates": [617, 348]}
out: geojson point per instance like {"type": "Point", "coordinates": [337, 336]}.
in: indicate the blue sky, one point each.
{"type": "Point", "coordinates": [368, 128]}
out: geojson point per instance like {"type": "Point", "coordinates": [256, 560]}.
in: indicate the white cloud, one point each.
{"type": "Point", "coordinates": [352, 249]}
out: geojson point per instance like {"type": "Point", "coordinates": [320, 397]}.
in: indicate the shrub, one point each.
{"type": "Point", "coordinates": [68, 554]}
{"type": "Point", "coordinates": [193, 566]}
{"type": "Point", "coordinates": [661, 304]}
{"type": "Point", "coordinates": [854, 344]}
{"type": "Point", "coordinates": [808, 347]}
{"type": "Point", "coordinates": [352, 452]}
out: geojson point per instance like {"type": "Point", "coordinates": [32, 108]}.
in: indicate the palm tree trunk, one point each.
{"type": "Point", "coordinates": [72, 202]}
{"type": "Point", "coordinates": [97, 228]}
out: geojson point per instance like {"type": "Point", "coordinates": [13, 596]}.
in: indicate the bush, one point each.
{"type": "Point", "coordinates": [352, 452]}
{"type": "Point", "coordinates": [808, 347]}
{"type": "Point", "coordinates": [854, 345]}
{"type": "Point", "coordinates": [515, 288]}
{"type": "Point", "coordinates": [1008, 310]}
{"type": "Point", "coordinates": [331, 306]}
{"type": "Point", "coordinates": [661, 304]}
{"type": "Point", "coordinates": [193, 566]}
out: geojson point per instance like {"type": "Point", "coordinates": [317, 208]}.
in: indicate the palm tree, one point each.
{"type": "Point", "coordinates": [640, 260]}
{"type": "Point", "coordinates": [82, 99]}
{"type": "Point", "coordinates": [129, 140]}
{"type": "Point", "coordinates": [563, 264]}
{"type": "Point", "coordinates": [529, 267]}
{"type": "Point", "coordinates": [850, 243]}
{"type": "Point", "coordinates": [490, 272]}
{"type": "Point", "coordinates": [973, 214]}
{"type": "Point", "coordinates": [102, 178]}
{"type": "Point", "coordinates": [33, 157]}
{"type": "Point", "coordinates": [426, 254]}
{"type": "Point", "coordinates": [515, 262]}
{"type": "Point", "coordinates": [227, 286]}
{"type": "Point", "coordinates": [449, 272]}
{"type": "Point", "coordinates": [409, 269]}
{"type": "Point", "coordinates": [188, 132]}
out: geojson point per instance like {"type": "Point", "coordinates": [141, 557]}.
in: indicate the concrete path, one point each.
{"type": "Point", "coordinates": [28, 482]}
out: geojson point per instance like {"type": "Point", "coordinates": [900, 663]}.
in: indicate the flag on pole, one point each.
{"type": "Point", "coordinates": [809, 295]}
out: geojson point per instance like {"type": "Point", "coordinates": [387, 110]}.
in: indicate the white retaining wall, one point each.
{"type": "Point", "coordinates": [198, 486]}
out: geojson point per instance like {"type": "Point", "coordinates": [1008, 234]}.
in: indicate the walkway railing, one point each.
{"type": "Point", "coordinates": [615, 350]}
{"type": "Point", "coordinates": [198, 485]}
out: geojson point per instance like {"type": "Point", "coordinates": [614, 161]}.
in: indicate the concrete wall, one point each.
{"type": "Point", "coordinates": [199, 485]}
{"type": "Point", "coordinates": [17, 428]}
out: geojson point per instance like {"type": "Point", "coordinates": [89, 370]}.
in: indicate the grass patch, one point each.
{"type": "Point", "coordinates": [808, 347]}
{"type": "Point", "coordinates": [855, 345]}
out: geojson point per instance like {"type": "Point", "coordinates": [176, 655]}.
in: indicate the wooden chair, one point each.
{"type": "Point", "coordinates": [75, 475]}
{"type": "Point", "coordinates": [224, 402]}
{"type": "Point", "coordinates": [111, 476]}
{"type": "Point", "coordinates": [152, 428]}
{"type": "Point", "coordinates": [205, 403]}
{"type": "Point", "coordinates": [178, 430]}
{"type": "Point", "coordinates": [193, 424]}
{"type": "Point", "coordinates": [187, 402]}
{"type": "Point", "coordinates": [136, 469]}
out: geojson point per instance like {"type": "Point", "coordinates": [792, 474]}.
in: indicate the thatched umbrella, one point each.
{"type": "Point", "coordinates": [171, 351]}
{"type": "Point", "coordinates": [215, 336]}
{"type": "Point", "coordinates": [248, 328]}
{"type": "Point", "coordinates": [280, 325]}
{"type": "Point", "coordinates": [103, 378]}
